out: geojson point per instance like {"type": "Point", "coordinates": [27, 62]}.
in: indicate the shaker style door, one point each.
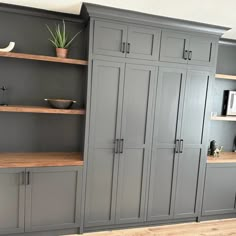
{"type": "Point", "coordinates": [143, 43]}
{"type": "Point", "coordinates": [109, 39]}
{"type": "Point", "coordinates": [174, 47]}
{"type": "Point", "coordinates": [169, 104]}
{"type": "Point", "coordinates": [12, 200]}
{"type": "Point", "coordinates": [220, 190]}
{"type": "Point", "coordinates": [192, 144]}
{"type": "Point", "coordinates": [106, 106]}
{"type": "Point", "coordinates": [53, 198]}
{"type": "Point", "coordinates": [202, 51]}
{"type": "Point", "coordinates": [136, 131]}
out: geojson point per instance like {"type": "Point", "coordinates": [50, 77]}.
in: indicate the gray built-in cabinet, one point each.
{"type": "Point", "coordinates": [149, 108]}
{"type": "Point", "coordinates": [39, 199]}
{"type": "Point", "coordinates": [120, 141]}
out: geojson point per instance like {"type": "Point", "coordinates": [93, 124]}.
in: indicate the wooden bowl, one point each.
{"type": "Point", "coordinates": [60, 103]}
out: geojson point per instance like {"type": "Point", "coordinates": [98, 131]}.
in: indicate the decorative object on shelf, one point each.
{"type": "Point", "coordinates": [229, 103]}
{"type": "Point", "coordinates": [8, 48]}
{"type": "Point", "coordinates": [61, 40]}
{"type": "Point", "coordinates": [234, 145]}
{"type": "Point", "coordinates": [218, 151]}
{"type": "Point", "coordinates": [4, 96]}
{"type": "Point", "coordinates": [60, 103]}
{"type": "Point", "coordinates": [212, 147]}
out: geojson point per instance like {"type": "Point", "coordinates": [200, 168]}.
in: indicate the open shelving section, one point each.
{"type": "Point", "coordinates": [34, 109]}
{"type": "Point", "coordinates": [43, 58]}
{"type": "Point", "coordinates": [40, 159]}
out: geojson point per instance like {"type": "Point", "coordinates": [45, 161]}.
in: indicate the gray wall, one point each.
{"type": "Point", "coordinates": [224, 131]}
{"type": "Point", "coordinates": [29, 82]}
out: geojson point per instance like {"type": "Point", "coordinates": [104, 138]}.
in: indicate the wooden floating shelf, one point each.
{"type": "Point", "coordinates": [225, 157]}
{"type": "Point", "coordinates": [224, 118]}
{"type": "Point", "coordinates": [43, 58]}
{"type": "Point", "coordinates": [40, 159]}
{"type": "Point", "coordinates": [222, 76]}
{"type": "Point", "coordinates": [32, 109]}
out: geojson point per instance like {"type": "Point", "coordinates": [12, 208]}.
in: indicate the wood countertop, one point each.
{"type": "Point", "coordinates": [40, 159]}
{"type": "Point", "coordinates": [225, 157]}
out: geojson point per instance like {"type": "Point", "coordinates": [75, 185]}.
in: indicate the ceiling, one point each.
{"type": "Point", "coordinates": [216, 12]}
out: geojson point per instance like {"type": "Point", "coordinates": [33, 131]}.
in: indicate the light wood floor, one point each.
{"type": "Point", "coordinates": [209, 228]}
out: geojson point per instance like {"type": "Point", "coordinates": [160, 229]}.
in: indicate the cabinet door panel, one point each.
{"type": "Point", "coordinates": [52, 203]}
{"type": "Point", "coordinates": [187, 183]}
{"type": "Point", "coordinates": [136, 131]}
{"type": "Point", "coordinates": [106, 106]}
{"type": "Point", "coordinates": [192, 133]}
{"type": "Point", "coordinates": [144, 43]}
{"type": "Point", "coordinates": [12, 201]}
{"type": "Point", "coordinates": [203, 51]}
{"type": "Point", "coordinates": [169, 103]}
{"type": "Point", "coordinates": [220, 190]}
{"type": "Point", "coordinates": [108, 38]}
{"type": "Point", "coordinates": [173, 45]}
{"type": "Point", "coordinates": [161, 185]}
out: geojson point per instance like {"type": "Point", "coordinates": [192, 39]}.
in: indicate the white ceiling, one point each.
{"type": "Point", "coordinates": [216, 12]}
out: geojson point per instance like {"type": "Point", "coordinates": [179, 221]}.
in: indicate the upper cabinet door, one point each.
{"type": "Point", "coordinates": [12, 201]}
{"type": "Point", "coordinates": [202, 51]}
{"type": "Point", "coordinates": [169, 104]}
{"type": "Point", "coordinates": [136, 131]}
{"type": "Point", "coordinates": [109, 39]}
{"type": "Point", "coordinates": [192, 146]}
{"type": "Point", "coordinates": [174, 47]}
{"type": "Point", "coordinates": [106, 107]}
{"type": "Point", "coordinates": [143, 43]}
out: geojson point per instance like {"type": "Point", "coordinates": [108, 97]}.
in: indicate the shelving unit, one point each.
{"type": "Point", "coordinates": [225, 157]}
{"type": "Point", "coordinates": [224, 118]}
{"type": "Point", "coordinates": [43, 58]}
{"type": "Point", "coordinates": [40, 159]}
{"type": "Point", "coordinates": [223, 76]}
{"type": "Point", "coordinates": [32, 109]}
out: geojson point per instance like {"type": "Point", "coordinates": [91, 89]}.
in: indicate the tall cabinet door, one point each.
{"type": "Point", "coordinates": [143, 43]}
{"type": "Point", "coordinates": [106, 104]}
{"type": "Point", "coordinates": [12, 200]}
{"type": "Point", "coordinates": [136, 132]}
{"type": "Point", "coordinates": [169, 103]}
{"type": "Point", "coordinates": [192, 148]}
{"type": "Point", "coordinates": [109, 38]}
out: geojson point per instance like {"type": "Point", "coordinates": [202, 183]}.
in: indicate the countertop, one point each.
{"type": "Point", "coordinates": [225, 157]}
{"type": "Point", "coordinates": [40, 159]}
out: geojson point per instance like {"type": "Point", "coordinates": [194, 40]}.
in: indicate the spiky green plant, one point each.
{"type": "Point", "coordinates": [60, 38]}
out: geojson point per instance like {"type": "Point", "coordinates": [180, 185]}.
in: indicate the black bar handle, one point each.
{"type": "Point", "coordinates": [177, 146]}
{"type": "Point", "coordinates": [181, 146]}
{"type": "Point", "coordinates": [121, 145]}
{"type": "Point", "coordinates": [116, 145]}
{"type": "Point", "coordinates": [123, 47]}
{"type": "Point", "coordinates": [185, 56]}
{"type": "Point", "coordinates": [28, 178]}
{"type": "Point", "coordinates": [128, 48]}
{"type": "Point", "coordinates": [235, 201]}
{"type": "Point", "coordinates": [190, 53]}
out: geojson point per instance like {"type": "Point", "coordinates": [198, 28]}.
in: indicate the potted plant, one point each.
{"type": "Point", "coordinates": [61, 40]}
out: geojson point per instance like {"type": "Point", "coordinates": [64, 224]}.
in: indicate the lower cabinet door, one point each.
{"type": "Point", "coordinates": [12, 200]}
{"type": "Point", "coordinates": [220, 189]}
{"type": "Point", "coordinates": [53, 196]}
